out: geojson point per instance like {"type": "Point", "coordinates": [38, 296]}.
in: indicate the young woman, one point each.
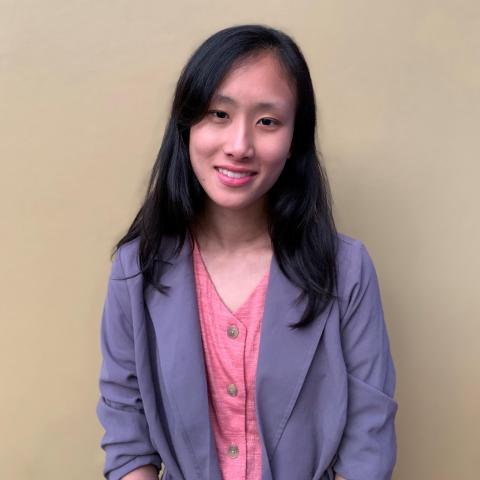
{"type": "Point", "coordinates": [242, 336]}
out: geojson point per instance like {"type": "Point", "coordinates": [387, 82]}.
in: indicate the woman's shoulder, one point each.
{"type": "Point", "coordinates": [348, 248]}
{"type": "Point", "coordinates": [127, 255]}
{"type": "Point", "coordinates": [354, 264]}
{"type": "Point", "coordinates": [127, 258]}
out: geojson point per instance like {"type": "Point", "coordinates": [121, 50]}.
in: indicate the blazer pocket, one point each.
{"type": "Point", "coordinates": [368, 446]}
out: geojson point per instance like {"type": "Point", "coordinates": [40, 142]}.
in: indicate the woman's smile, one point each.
{"type": "Point", "coordinates": [234, 179]}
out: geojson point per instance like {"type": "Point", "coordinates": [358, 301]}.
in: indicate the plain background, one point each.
{"type": "Point", "coordinates": [85, 92]}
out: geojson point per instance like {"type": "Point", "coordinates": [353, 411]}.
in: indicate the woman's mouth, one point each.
{"type": "Point", "coordinates": [234, 179]}
{"type": "Point", "coordinates": [231, 174]}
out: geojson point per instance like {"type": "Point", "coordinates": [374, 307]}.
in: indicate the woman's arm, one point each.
{"type": "Point", "coordinates": [368, 446]}
{"type": "Point", "coordinates": [148, 472]}
{"type": "Point", "coordinates": [338, 477]}
{"type": "Point", "coordinates": [126, 441]}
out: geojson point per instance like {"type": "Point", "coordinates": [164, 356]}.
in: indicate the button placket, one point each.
{"type": "Point", "coordinates": [233, 332]}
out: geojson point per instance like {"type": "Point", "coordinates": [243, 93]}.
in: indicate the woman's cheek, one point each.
{"type": "Point", "coordinates": [276, 152]}
{"type": "Point", "coordinates": [212, 143]}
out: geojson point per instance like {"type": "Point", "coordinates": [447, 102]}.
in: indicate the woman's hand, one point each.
{"type": "Point", "coordinates": [147, 472]}
{"type": "Point", "coordinates": [338, 477]}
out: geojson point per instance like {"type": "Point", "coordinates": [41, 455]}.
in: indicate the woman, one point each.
{"type": "Point", "coordinates": [242, 336]}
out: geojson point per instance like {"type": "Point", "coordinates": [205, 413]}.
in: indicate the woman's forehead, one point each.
{"type": "Point", "coordinates": [261, 79]}
{"type": "Point", "coordinates": [274, 104]}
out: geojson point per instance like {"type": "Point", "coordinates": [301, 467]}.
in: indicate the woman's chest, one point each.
{"type": "Point", "coordinates": [235, 280]}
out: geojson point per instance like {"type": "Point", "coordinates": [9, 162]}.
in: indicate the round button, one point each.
{"type": "Point", "coordinates": [232, 390]}
{"type": "Point", "coordinates": [232, 331]}
{"type": "Point", "coordinates": [233, 451]}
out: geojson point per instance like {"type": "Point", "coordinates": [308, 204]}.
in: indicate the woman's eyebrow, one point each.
{"type": "Point", "coordinates": [257, 106]}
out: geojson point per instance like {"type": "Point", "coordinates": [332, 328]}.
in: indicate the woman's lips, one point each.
{"type": "Point", "coordinates": [234, 179]}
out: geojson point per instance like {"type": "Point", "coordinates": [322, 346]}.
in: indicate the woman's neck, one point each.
{"type": "Point", "coordinates": [231, 231]}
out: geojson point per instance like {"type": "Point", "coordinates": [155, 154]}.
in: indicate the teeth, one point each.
{"type": "Point", "coordinates": [231, 174]}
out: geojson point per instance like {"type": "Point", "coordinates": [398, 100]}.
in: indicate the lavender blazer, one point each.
{"type": "Point", "coordinates": [324, 394]}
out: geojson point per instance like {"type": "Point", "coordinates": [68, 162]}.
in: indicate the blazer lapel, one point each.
{"type": "Point", "coordinates": [284, 357]}
{"type": "Point", "coordinates": [176, 321]}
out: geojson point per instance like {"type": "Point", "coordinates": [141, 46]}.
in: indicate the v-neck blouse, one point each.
{"type": "Point", "coordinates": [230, 345]}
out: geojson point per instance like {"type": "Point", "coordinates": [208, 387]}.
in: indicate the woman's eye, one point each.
{"type": "Point", "coordinates": [218, 114]}
{"type": "Point", "coordinates": [268, 122]}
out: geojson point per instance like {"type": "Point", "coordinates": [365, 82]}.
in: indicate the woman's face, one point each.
{"type": "Point", "coordinates": [240, 147]}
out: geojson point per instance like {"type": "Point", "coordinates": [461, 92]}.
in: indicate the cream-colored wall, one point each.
{"type": "Point", "coordinates": [84, 93]}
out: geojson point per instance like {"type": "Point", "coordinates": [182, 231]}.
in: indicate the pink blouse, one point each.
{"type": "Point", "coordinates": [230, 346]}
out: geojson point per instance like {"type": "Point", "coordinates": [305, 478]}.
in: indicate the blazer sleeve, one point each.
{"type": "Point", "coordinates": [368, 447]}
{"type": "Point", "coordinates": [126, 440]}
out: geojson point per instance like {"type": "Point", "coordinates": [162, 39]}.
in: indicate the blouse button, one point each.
{"type": "Point", "coordinates": [232, 331]}
{"type": "Point", "coordinates": [233, 451]}
{"type": "Point", "coordinates": [232, 390]}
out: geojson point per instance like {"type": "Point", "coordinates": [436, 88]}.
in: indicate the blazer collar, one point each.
{"type": "Point", "coordinates": [283, 360]}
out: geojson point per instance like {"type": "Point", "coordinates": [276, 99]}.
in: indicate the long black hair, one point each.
{"type": "Point", "coordinates": [301, 224]}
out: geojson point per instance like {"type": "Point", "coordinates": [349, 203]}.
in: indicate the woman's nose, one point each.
{"type": "Point", "coordinates": [238, 142]}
